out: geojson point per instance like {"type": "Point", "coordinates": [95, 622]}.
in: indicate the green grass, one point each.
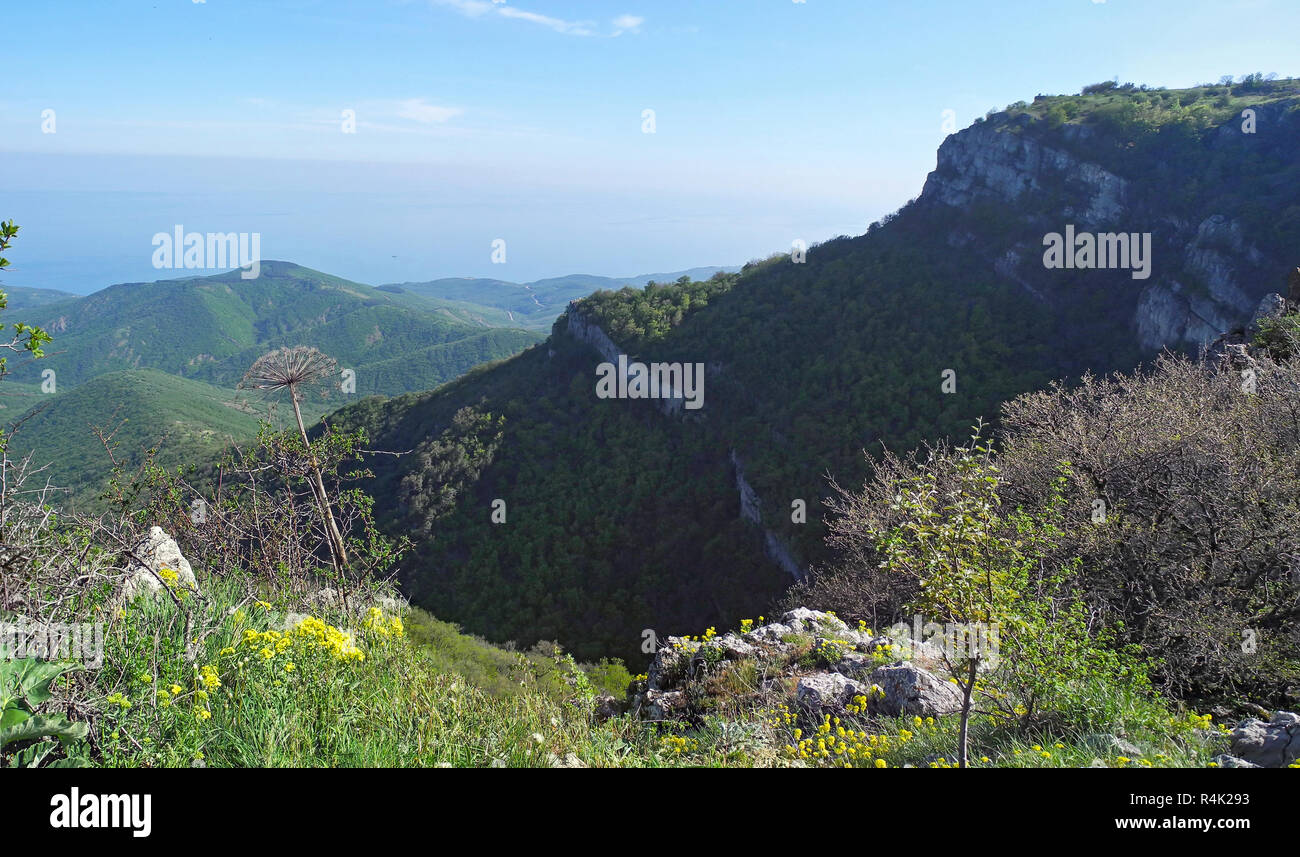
{"type": "Point", "coordinates": [428, 695]}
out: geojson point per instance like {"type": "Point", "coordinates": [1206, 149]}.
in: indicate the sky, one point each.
{"type": "Point", "coordinates": [526, 122]}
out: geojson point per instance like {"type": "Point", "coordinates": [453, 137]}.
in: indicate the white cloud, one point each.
{"type": "Point", "coordinates": [478, 8]}
{"type": "Point", "coordinates": [417, 110]}
{"type": "Point", "coordinates": [559, 25]}
{"type": "Point", "coordinates": [627, 24]}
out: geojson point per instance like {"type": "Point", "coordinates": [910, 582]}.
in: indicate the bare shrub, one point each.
{"type": "Point", "coordinates": [1181, 505]}
{"type": "Point", "coordinates": [1184, 505]}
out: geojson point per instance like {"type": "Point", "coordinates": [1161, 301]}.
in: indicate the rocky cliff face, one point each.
{"type": "Point", "coordinates": [751, 509]}
{"type": "Point", "coordinates": [1208, 275]}
{"type": "Point", "coordinates": [583, 329]}
{"type": "Point", "coordinates": [994, 161]}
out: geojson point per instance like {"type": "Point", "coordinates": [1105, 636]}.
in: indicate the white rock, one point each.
{"type": "Point", "coordinates": [801, 619]}
{"type": "Point", "coordinates": [154, 553]}
{"type": "Point", "coordinates": [827, 691]}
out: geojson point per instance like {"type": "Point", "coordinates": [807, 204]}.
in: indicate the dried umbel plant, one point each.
{"type": "Point", "coordinates": [300, 370]}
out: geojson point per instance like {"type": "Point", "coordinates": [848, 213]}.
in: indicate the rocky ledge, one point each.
{"type": "Point", "coordinates": [817, 665]}
{"type": "Point", "coordinates": [826, 666]}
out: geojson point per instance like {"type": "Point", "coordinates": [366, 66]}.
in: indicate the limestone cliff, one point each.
{"type": "Point", "coordinates": [1209, 271]}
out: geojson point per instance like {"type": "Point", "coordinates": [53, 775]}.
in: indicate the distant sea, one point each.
{"type": "Point", "coordinates": [82, 241]}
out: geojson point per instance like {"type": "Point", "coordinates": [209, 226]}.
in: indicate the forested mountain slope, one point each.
{"type": "Point", "coordinates": [160, 362]}
{"type": "Point", "coordinates": [621, 519]}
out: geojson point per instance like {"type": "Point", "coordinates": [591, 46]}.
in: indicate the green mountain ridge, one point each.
{"type": "Point", "coordinates": [116, 347]}
{"type": "Point", "coordinates": [534, 305]}
{"type": "Point", "coordinates": [228, 322]}
{"type": "Point", "coordinates": [24, 298]}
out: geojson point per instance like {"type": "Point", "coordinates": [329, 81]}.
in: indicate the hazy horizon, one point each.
{"type": "Point", "coordinates": [399, 141]}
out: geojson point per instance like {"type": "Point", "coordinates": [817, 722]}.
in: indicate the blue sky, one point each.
{"type": "Point", "coordinates": [476, 120]}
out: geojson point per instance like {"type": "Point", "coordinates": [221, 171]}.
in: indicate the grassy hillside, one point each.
{"type": "Point", "coordinates": [186, 420]}
{"type": "Point", "coordinates": [17, 398]}
{"type": "Point", "coordinates": [23, 298]}
{"type": "Point", "coordinates": [212, 328]}
{"type": "Point", "coordinates": [409, 691]}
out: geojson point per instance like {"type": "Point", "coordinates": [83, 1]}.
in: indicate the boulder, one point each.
{"type": "Point", "coordinates": [663, 704]}
{"type": "Point", "coordinates": [154, 553]}
{"type": "Point", "coordinates": [737, 648]}
{"type": "Point", "coordinates": [771, 633]}
{"type": "Point", "coordinates": [672, 662]}
{"type": "Point", "coordinates": [606, 708]}
{"type": "Point", "coordinates": [803, 620]}
{"type": "Point", "coordinates": [1274, 744]}
{"type": "Point", "coordinates": [827, 692]}
{"type": "Point", "coordinates": [906, 689]}
{"type": "Point", "coordinates": [1223, 760]}
{"type": "Point", "coordinates": [1272, 305]}
{"type": "Point", "coordinates": [855, 665]}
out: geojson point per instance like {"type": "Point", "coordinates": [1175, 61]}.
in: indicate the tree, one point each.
{"type": "Point", "coordinates": [969, 560]}
{"type": "Point", "coordinates": [25, 337]}
{"type": "Point", "coordinates": [445, 467]}
{"type": "Point", "coordinates": [297, 370]}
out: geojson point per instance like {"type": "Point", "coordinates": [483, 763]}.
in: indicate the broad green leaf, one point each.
{"type": "Point", "coordinates": [43, 726]}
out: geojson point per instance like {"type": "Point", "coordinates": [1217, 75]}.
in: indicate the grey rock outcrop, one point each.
{"type": "Point", "coordinates": [1205, 269]}
{"type": "Point", "coordinates": [827, 692]}
{"type": "Point", "coordinates": [682, 669]}
{"type": "Point", "coordinates": [751, 509]}
{"type": "Point", "coordinates": [987, 161]}
{"type": "Point", "coordinates": [907, 690]}
{"type": "Point", "coordinates": [663, 704]}
{"type": "Point", "coordinates": [1274, 744]}
{"type": "Point", "coordinates": [803, 620]}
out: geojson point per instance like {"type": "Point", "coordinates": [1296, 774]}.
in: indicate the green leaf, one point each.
{"type": "Point", "coordinates": [43, 726]}
{"type": "Point", "coordinates": [12, 716]}
{"type": "Point", "coordinates": [30, 679]}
